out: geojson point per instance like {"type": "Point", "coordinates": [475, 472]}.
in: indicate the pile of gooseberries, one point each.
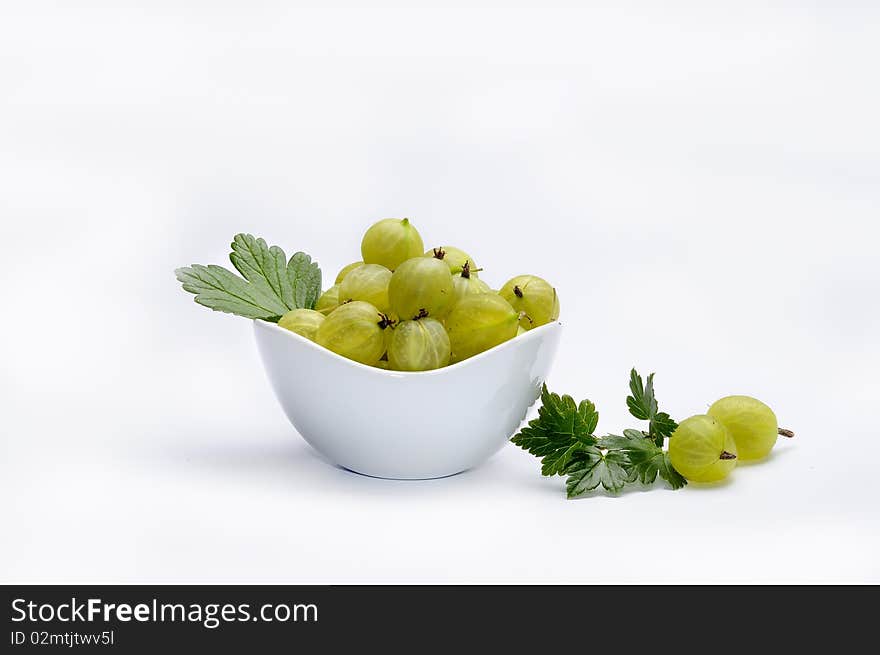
{"type": "Point", "coordinates": [405, 308]}
{"type": "Point", "coordinates": [706, 447]}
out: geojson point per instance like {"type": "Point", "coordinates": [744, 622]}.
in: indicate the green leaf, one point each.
{"type": "Point", "coordinates": [675, 479]}
{"type": "Point", "coordinates": [645, 460]}
{"type": "Point", "coordinates": [262, 266]}
{"type": "Point", "coordinates": [223, 291]}
{"type": "Point", "coordinates": [643, 405]}
{"type": "Point", "coordinates": [663, 425]}
{"type": "Point", "coordinates": [589, 468]}
{"type": "Point", "coordinates": [304, 278]}
{"type": "Point", "coordinates": [639, 452]}
{"type": "Point", "coordinates": [272, 285]}
{"type": "Point", "coordinates": [561, 429]}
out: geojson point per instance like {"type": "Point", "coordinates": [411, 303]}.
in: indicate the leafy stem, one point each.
{"type": "Point", "coordinates": [563, 436]}
{"type": "Point", "coordinates": [643, 405]}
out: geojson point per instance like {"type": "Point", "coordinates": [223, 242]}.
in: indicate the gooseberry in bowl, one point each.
{"type": "Point", "coordinates": [421, 287]}
{"type": "Point", "coordinates": [355, 330]}
{"type": "Point", "coordinates": [466, 283]}
{"type": "Point", "coordinates": [418, 345]}
{"type": "Point", "coordinates": [534, 297]}
{"type": "Point", "coordinates": [345, 270]}
{"type": "Point", "coordinates": [479, 322]}
{"type": "Point", "coordinates": [390, 242]}
{"type": "Point", "coordinates": [304, 322]}
{"type": "Point", "coordinates": [367, 282]}
{"type": "Point", "coordinates": [328, 301]}
{"type": "Point", "coordinates": [454, 258]}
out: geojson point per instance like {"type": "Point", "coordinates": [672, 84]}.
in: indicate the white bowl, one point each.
{"type": "Point", "coordinates": [393, 424]}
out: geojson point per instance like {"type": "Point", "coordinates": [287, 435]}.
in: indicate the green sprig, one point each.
{"type": "Point", "coordinates": [562, 428]}
{"type": "Point", "coordinates": [563, 436]}
{"type": "Point", "coordinates": [643, 405]}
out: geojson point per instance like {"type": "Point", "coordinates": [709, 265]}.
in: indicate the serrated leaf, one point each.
{"type": "Point", "coordinates": [554, 463]}
{"type": "Point", "coordinates": [562, 427]}
{"type": "Point", "coordinates": [590, 468]}
{"type": "Point", "coordinates": [221, 290]}
{"type": "Point", "coordinates": [675, 479]}
{"type": "Point", "coordinates": [272, 285]}
{"type": "Point", "coordinates": [262, 266]}
{"type": "Point", "coordinates": [663, 425]}
{"type": "Point", "coordinates": [644, 459]}
{"type": "Point", "coordinates": [304, 279]}
{"type": "Point", "coordinates": [643, 405]}
{"type": "Point", "coordinates": [639, 452]}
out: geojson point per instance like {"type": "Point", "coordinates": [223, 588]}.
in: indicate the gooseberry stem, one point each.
{"type": "Point", "coordinates": [466, 269]}
{"type": "Point", "coordinates": [785, 432]}
{"type": "Point", "coordinates": [727, 455]}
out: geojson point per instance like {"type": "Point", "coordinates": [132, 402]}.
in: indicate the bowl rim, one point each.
{"type": "Point", "coordinates": [518, 339]}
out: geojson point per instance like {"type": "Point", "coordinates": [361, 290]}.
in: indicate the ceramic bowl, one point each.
{"type": "Point", "coordinates": [403, 425]}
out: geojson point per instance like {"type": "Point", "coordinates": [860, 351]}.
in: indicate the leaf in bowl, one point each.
{"type": "Point", "coordinates": [272, 284]}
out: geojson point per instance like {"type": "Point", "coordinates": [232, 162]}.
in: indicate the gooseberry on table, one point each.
{"type": "Point", "coordinates": [702, 449]}
{"type": "Point", "coordinates": [751, 423]}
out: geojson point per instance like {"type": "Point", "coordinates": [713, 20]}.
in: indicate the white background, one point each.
{"type": "Point", "coordinates": [700, 181]}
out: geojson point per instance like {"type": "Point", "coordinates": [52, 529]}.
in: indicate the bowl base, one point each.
{"type": "Point", "coordinates": [404, 479]}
